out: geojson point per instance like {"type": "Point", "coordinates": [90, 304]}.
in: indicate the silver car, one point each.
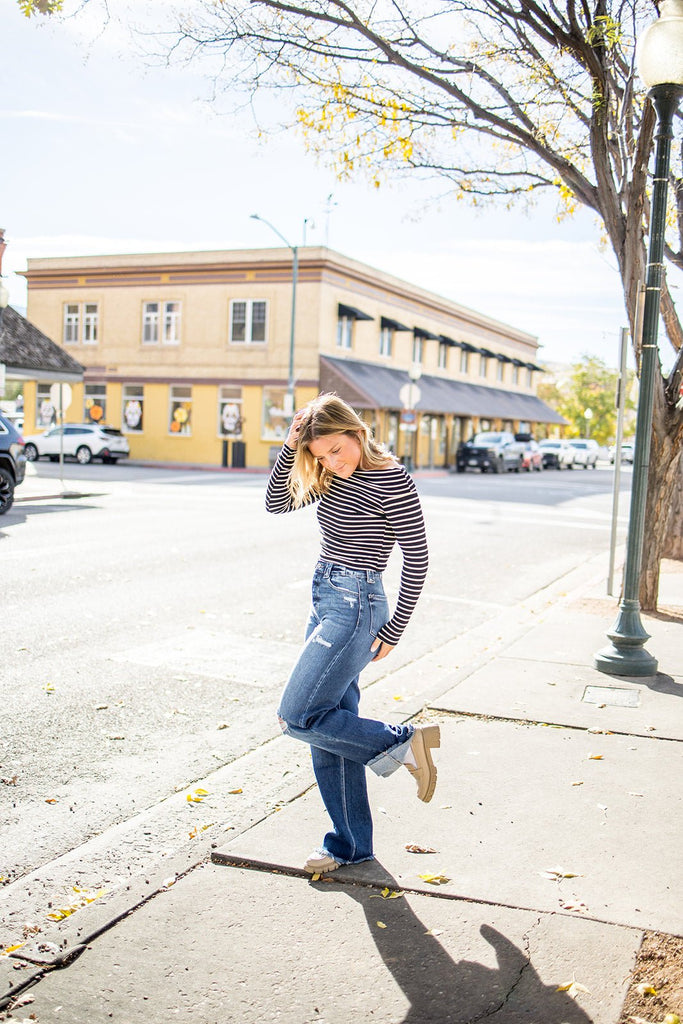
{"type": "Point", "coordinates": [586, 452]}
{"type": "Point", "coordinates": [81, 441]}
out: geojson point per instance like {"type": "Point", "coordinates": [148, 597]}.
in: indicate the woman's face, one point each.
{"type": "Point", "coordinates": [338, 453]}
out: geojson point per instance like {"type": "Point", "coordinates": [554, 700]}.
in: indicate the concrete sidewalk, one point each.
{"type": "Point", "coordinates": [556, 839]}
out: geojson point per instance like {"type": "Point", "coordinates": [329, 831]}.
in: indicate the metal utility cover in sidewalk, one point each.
{"type": "Point", "coordinates": [614, 695]}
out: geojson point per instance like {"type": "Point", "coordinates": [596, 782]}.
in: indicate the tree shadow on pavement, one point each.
{"type": "Point", "coordinates": [442, 990]}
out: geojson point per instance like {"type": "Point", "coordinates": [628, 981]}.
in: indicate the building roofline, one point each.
{"type": "Point", "coordinates": [311, 258]}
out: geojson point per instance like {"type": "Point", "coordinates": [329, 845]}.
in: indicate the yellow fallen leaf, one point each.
{"type": "Point", "coordinates": [595, 757]}
{"type": "Point", "coordinates": [315, 877]}
{"type": "Point", "coordinates": [435, 931]}
{"type": "Point", "coordinates": [415, 848]}
{"type": "Point", "coordinates": [555, 874]}
{"type": "Point", "coordinates": [387, 894]}
{"type": "Point", "coordinates": [577, 783]}
{"type": "Point", "coordinates": [52, 800]}
{"type": "Point", "coordinates": [572, 988]}
{"type": "Point", "coordinates": [202, 792]}
{"type": "Point", "coordinates": [234, 791]}
{"type": "Point", "coordinates": [435, 879]}
{"type": "Point", "coordinates": [49, 688]}
{"type": "Point", "coordinates": [398, 697]}
{"type": "Point", "coordinates": [381, 924]}
{"type": "Point", "coordinates": [11, 949]}
{"type": "Point", "coordinates": [644, 989]}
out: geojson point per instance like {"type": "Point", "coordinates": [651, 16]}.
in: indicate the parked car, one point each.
{"type": "Point", "coordinates": [81, 441]}
{"type": "Point", "coordinates": [627, 449]}
{"type": "Point", "coordinates": [12, 462]}
{"type": "Point", "coordinates": [532, 456]}
{"type": "Point", "coordinates": [586, 452]}
{"type": "Point", "coordinates": [496, 451]}
{"type": "Point", "coordinates": [557, 454]}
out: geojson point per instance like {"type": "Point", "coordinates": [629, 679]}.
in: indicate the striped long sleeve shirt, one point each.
{"type": "Point", "coordinates": [361, 519]}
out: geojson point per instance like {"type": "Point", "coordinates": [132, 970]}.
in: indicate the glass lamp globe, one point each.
{"type": "Point", "coordinates": [659, 52]}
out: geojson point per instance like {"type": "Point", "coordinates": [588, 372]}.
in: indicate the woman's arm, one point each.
{"type": "Point", "coordinates": [278, 497]}
{"type": "Point", "coordinates": [404, 512]}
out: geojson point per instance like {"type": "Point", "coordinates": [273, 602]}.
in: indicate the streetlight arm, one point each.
{"type": "Point", "coordinates": [256, 216]}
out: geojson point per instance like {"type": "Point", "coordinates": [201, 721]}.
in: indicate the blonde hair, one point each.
{"type": "Point", "coordinates": [329, 414]}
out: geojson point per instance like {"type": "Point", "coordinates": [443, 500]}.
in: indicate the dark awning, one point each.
{"type": "Point", "coordinates": [467, 347]}
{"type": "Point", "coordinates": [488, 353]}
{"type": "Point", "coordinates": [518, 362]}
{"type": "Point", "coordinates": [394, 325]}
{"type": "Point", "coordinates": [351, 313]}
{"type": "Point", "coordinates": [420, 332]}
{"type": "Point", "coordinates": [371, 386]}
{"type": "Point", "coordinates": [450, 341]}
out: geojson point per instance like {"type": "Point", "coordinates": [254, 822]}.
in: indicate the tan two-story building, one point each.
{"type": "Point", "coordinates": [195, 355]}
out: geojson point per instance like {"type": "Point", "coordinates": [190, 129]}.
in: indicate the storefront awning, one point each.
{"type": "Point", "coordinates": [420, 332]}
{"type": "Point", "coordinates": [351, 313]}
{"type": "Point", "coordinates": [370, 386]}
{"type": "Point", "coordinates": [394, 325]}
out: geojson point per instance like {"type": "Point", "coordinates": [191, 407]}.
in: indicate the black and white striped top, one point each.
{"type": "Point", "coordinates": [361, 519]}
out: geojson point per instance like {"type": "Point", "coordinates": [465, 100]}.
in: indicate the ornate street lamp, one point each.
{"type": "Point", "coordinates": [659, 56]}
{"type": "Point", "coordinates": [295, 273]}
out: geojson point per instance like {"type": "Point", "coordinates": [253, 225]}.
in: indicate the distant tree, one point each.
{"type": "Point", "coordinates": [500, 99]}
{"type": "Point", "coordinates": [591, 385]}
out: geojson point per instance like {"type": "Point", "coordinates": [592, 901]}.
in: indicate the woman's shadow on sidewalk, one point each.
{"type": "Point", "coordinates": [441, 990]}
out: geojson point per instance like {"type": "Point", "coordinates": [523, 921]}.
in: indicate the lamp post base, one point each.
{"type": "Point", "coordinates": [626, 655]}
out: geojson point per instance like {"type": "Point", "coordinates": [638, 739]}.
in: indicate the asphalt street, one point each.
{"type": "Point", "coordinates": [149, 625]}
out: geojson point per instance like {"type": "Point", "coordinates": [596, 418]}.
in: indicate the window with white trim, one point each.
{"type": "Point", "coordinates": [46, 414]}
{"type": "Point", "coordinates": [80, 323]}
{"type": "Point", "coordinates": [529, 377]}
{"type": "Point", "coordinates": [386, 341]}
{"type": "Point", "coordinates": [132, 413]}
{"type": "Point", "coordinates": [95, 403]}
{"type": "Point", "coordinates": [418, 349]}
{"type": "Point", "coordinates": [515, 375]}
{"type": "Point", "coordinates": [483, 365]}
{"type": "Point", "coordinates": [229, 411]}
{"type": "Point", "coordinates": [464, 361]}
{"type": "Point", "coordinates": [180, 410]}
{"type": "Point", "coordinates": [275, 419]}
{"type": "Point", "coordinates": [90, 323]}
{"type": "Point", "coordinates": [345, 332]}
{"type": "Point", "coordinates": [500, 370]}
{"type": "Point", "coordinates": [443, 355]}
{"type": "Point", "coordinates": [248, 321]}
{"type": "Point", "coordinates": [161, 323]}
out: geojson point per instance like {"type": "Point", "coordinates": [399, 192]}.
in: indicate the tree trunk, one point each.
{"type": "Point", "coordinates": [673, 542]}
{"type": "Point", "coordinates": [664, 478]}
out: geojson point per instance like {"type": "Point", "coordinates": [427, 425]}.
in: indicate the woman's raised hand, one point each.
{"type": "Point", "coordinates": [292, 438]}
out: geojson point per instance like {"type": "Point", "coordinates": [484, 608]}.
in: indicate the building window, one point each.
{"type": "Point", "coordinates": [90, 318]}
{"type": "Point", "coordinates": [386, 341]}
{"type": "Point", "coordinates": [95, 403]}
{"type": "Point", "coordinates": [229, 411]}
{"type": "Point", "coordinates": [133, 408]}
{"type": "Point", "coordinates": [529, 377]}
{"type": "Point", "coordinates": [46, 414]}
{"type": "Point", "coordinates": [248, 322]}
{"type": "Point", "coordinates": [515, 375]}
{"type": "Point", "coordinates": [483, 365]}
{"type": "Point", "coordinates": [160, 322]}
{"type": "Point", "coordinates": [500, 370]}
{"type": "Point", "coordinates": [80, 323]}
{"type": "Point", "coordinates": [180, 410]}
{"type": "Point", "coordinates": [443, 356]}
{"type": "Point", "coordinates": [418, 349]}
{"type": "Point", "coordinates": [464, 361]}
{"type": "Point", "coordinates": [345, 332]}
{"type": "Point", "coordinates": [275, 419]}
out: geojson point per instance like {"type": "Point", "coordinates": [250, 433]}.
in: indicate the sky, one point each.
{"type": "Point", "coordinates": [103, 153]}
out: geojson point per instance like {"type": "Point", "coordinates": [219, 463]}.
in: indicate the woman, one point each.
{"type": "Point", "coordinates": [366, 502]}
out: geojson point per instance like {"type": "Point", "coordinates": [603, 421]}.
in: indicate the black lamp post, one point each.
{"type": "Point", "coordinates": [659, 57]}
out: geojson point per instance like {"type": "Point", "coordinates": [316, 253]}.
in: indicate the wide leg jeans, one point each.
{"type": "Point", "coordinates": [320, 704]}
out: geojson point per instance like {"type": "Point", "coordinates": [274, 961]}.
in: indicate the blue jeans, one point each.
{"type": "Point", "coordinates": [320, 701]}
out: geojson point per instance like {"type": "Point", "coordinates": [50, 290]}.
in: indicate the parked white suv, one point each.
{"type": "Point", "coordinates": [585, 452]}
{"type": "Point", "coordinates": [81, 441]}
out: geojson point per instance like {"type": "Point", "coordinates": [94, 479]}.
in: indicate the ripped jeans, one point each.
{"type": "Point", "coordinates": [319, 704]}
